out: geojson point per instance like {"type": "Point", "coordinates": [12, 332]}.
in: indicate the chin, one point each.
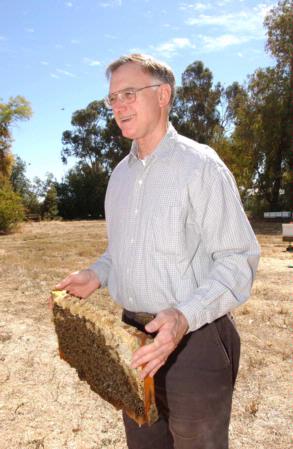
{"type": "Point", "coordinates": [128, 133]}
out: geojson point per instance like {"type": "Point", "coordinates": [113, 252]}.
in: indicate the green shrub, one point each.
{"type": "Point", "coordinates": [11, 209]}
{"type": "Point", "coordinates": [50, 206]}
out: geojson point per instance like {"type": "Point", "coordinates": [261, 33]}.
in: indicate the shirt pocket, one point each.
{"type": "Point", "coordinates": [168, 230]}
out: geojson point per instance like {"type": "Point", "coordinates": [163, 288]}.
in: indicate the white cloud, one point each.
{"type": "Point", "coordinates": [59, 46]}
{"type": "Point", "coordinates": [263, 9]}
{"type": "Point", "coordinates": [69, 4]}
{"type": "Point", "coordinates": [44, 63]}
{"type": "Point", "coordinates": [53, 75]}
{"type": "Point", "coordinates": [171, 47]}
{"type": "Point", "coordinates": [66, 73]}
{"type": "Point", "coordinates": [245, 22]}
{"type": "Point", "coordinates": [232, 22]}
{"type": "Point", "coordinates": [3, 38]}
{"type": "Point", "coordinates": [75, 41]}
{"type": "Point", "coordinates": [29, 30]}
{"type": "Point", "coordinates": [198, 6]}
{"type": "Point", "coordinates": [91, 62]}
{"type": "Point", "coordinates": [211, 43]}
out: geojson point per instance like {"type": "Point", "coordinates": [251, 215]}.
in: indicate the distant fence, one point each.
{"type": "Point", "coordinates": [33, 217]}
{"type": "Point", "coordinates": [284, 215]}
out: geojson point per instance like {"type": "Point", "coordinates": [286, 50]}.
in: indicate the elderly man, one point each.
{"type": "Point", "coordinates": [181, 254]}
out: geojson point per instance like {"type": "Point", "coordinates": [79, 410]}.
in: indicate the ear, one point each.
{"type": "Point", "coordinates": [164, 95]}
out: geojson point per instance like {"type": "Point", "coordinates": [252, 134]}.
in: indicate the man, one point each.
{"type": "Point", "coordinates": [181, 255]}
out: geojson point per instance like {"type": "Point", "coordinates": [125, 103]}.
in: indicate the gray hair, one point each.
{"type": "Point", "coordinates": [159, 70]}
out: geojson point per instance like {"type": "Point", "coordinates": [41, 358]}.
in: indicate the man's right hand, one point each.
{"type": "Point", "coordinates": [80, 283]}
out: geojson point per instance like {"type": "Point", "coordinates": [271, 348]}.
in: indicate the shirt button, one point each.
{"type": "Point", "coordinates": [136, 211]}
{"type": "Point", "coordinates": [131, 300]}
{"type": "Point", "coordinates": [132, 241]}
{"type": "Point", "coordinates": [140, 182]}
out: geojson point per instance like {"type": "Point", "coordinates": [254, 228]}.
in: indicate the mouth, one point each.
{"type": "Point", "coordinates": [126, 118]}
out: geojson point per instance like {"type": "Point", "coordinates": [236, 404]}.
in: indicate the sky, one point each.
{"type": "Point", "coordinates": [55, 52]}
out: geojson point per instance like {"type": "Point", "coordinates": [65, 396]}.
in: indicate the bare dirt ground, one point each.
{"type": "Point", "coordinates": [43, 405]}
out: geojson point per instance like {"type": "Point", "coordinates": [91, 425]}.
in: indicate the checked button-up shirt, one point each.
{"type": "Point", "coordinates": [177, 233]}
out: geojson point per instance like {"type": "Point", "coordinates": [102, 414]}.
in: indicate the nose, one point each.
{"type": "Point", "coordinates": [119, 105]}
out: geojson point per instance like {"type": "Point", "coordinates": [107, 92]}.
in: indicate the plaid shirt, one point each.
{"type": "Point", "coordinates": [177, 233]}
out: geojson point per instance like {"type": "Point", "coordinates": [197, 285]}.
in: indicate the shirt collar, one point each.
{"type": "Point", "coordinates": [163, 150]}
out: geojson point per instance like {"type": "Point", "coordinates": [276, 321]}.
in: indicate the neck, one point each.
{"type": "Point", "coordinates": [146, 146]}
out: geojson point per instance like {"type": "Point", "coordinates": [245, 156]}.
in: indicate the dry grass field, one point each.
{"type": "Point", "coordinates": [43, 405]}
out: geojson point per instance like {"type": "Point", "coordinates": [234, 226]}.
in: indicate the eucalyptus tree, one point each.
{"type": "Point", "coordinates": [195, 112]}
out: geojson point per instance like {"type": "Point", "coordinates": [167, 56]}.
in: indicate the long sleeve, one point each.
{"type": "Point", "coordinates": [178, 235]}
{"type": "Point", "coordinates": [231, 246]}
{"type": "Point", "coordinates": [102, 268]}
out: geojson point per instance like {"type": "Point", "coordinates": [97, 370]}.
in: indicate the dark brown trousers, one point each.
{"type": "Point", "coordinates": [193, 392]}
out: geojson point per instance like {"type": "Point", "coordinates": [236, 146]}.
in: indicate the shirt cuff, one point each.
{"type": "Point", "coordinates": [194, 313]}
{"type": "Point", "coordinates": [101, 271]}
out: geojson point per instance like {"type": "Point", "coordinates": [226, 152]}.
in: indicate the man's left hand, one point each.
{"type": "Point", "coordinates": [170, 325]}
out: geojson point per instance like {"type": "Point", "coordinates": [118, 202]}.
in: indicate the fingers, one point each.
{"type": "Point", "coordinates": [167, 317]}
{"type": "Point", "coordinates": [64, 283]}
{"type": "Point", "coordinates": [171, 326]}
{"type": "Point", "coordinates": [172, 321]}
{"type": "Point", "coordinates": [150, 363]}
{"type": "Point", "coordinates": [151, 368]}
{"type": "Point", "coordinates": [78, 292]}
{"type": "Point", "coordinates": [79, 284]}
{"type": "Point", "coordinates": [151, 357]}
{"type": "Point", "coordinates": [70, 282]}
{"type": "Point", "coordinates": [156, 323]}
{"type": "Point", "coordinates": [50, 299]}
{"type": "Point", "coordinates": [155, 369]}
{"type": "Point", "coordinates": [146, 353]}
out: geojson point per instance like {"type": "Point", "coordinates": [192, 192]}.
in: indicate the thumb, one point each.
{"type": "Point", "coordinates": [154, 325]}
{"type": "Point", "coordinates": [62, 284]}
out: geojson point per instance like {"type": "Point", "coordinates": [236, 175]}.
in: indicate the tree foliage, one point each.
{"type": "Point", "coordinates": [19, 181]}
{"type": "Point", "coordinates": [95, 140]}
{"type": "Point", "coordinates": [39, 197]}
{"type": "Point", "coordinates": [279, 24]}
{"type": "Point", "coordinates": [81, 193]}
{"type": "Point", "coordinates": [249, 125]}
{"type": "Point", "coordinates": [195, 113]}
{"type": "Point", "coordinates": [259, 149]}
{"type": "Point", "coordinates": [11, 208]}
{"type": "Point", "coordinates": [50, 204]}
{"type": "Point", "coordinates": [17, 108]}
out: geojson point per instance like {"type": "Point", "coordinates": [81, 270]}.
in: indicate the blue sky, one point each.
{"type": "Point", "coordinates": [55, 52]}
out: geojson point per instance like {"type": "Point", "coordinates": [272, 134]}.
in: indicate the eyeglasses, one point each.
{"type": "Point", "coordinates": [126, 96]}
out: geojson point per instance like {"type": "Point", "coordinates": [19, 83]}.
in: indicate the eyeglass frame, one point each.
{"type": "Point", "coordinates": [121, 95]}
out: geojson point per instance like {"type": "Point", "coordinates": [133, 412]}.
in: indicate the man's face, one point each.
{"type": "Point", "coordinates": [140, 119]}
